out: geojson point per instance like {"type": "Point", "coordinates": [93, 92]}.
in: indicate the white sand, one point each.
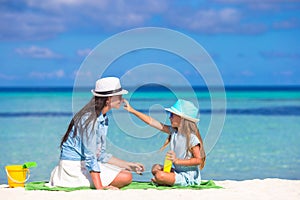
{"type": "Point", "coordinates": [272, 189]}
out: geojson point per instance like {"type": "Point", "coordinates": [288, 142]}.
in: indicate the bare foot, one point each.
{"type": "Point", "coordinates": [153, 180]}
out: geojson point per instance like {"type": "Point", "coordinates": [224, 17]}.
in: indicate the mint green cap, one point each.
{"type": "Point", "coordinates": [185, 109]}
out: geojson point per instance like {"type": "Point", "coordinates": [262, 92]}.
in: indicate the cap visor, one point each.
{"type": "Point", "coordinates": [181, 115]}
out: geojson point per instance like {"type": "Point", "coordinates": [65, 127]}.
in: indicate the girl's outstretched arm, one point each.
{"type": "Point", "coordinates": [147, 119]}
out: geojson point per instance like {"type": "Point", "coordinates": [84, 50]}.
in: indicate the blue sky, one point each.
{"type": "Point", "coordinates": [252, 42]}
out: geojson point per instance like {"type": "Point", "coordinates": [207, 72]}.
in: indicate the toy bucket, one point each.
{"type": "Point", "coordinates": [17, 175]}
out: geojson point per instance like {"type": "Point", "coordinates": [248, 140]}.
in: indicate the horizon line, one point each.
{"type": "Point", "coordinates": [151, 87]}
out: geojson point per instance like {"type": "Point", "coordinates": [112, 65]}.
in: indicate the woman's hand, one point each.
{"type": "Point", "coordinates": [136, 167]}
{"type": "Point", "coordinates": [130, 166]}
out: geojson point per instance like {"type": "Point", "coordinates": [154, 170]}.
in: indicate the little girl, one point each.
{"type": "Point", "coordinates": [187, 152]}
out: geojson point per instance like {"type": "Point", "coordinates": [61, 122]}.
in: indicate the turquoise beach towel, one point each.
{"type": "Point", "coordinates": [134, 185]}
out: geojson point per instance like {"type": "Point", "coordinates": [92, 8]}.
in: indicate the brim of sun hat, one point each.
{"type": "Point", "coordinates": [109, 95]}
{"type": "Point", "coordinates": [176, 112]}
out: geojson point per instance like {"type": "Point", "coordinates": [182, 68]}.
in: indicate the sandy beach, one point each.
{"type": "Point", "coordinates": [248, 189]}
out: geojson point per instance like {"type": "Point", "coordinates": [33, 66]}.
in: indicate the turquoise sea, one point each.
{"type": "Point", "coordinates": [259, 139]}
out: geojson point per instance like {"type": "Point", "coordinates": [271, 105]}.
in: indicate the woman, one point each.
{"type": "Point", "coordinates": [83, 158]}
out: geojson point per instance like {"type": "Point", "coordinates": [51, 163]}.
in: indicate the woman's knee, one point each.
{"type": "Point", "coordinates": [126, 176]}
{"type": "Point", "coordinates": [123, 178]}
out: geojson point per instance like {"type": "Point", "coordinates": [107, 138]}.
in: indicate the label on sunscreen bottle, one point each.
{"type": "Point", "coordinates": [167, 165]}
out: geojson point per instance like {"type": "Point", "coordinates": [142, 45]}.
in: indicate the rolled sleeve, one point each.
{"type": "Point", "coordinates": [91, 162]}
{"type": "Point", "coordinates": [105, 157]}
{"type": "Point", "coordinates": [89, 150]}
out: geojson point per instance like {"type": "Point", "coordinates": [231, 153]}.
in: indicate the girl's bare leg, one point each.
{"type": "Point", "coordinates": [156, 168]}
{"type": "Point", "coordinates": [161, 177]}
{"type": "Point", "coordinates": [123, 178]}
{"type": "Point", "coordinates": [164, 178]}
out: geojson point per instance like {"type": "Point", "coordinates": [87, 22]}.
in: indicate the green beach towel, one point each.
{"type": "Point", "coordinates": [40, 185]}
{"type": "Point", "coordinates": [146, 185]}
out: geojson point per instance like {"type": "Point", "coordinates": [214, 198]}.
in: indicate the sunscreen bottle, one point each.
{"type": "Point", "coordinates": [167, 164]}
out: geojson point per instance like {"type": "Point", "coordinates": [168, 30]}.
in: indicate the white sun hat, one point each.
{"type": "Point", "coordinates": [108, 86]}
{"type": "Point", "coordinates": [185, 109]}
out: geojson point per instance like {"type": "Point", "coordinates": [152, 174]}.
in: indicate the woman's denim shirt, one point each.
{"type": "Point", "coordinates": [90, 147]}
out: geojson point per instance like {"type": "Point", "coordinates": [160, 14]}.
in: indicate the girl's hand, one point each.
{"type": "Point", "coordinates": [172, 156]}
{"type": "Point", "coordinates": [127, 106]}
{"type": "Point", "coordinates": [136, 167]}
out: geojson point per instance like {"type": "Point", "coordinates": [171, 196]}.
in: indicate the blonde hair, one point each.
{"type": "Point", "coordinates": [187, 128]}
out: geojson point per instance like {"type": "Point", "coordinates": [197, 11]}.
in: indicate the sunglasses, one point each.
{"type": "Point", "coordinates": [171, 115]}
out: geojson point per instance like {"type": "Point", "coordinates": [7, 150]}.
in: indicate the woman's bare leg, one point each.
{"type": "Point", "coordinates": [123, 178]}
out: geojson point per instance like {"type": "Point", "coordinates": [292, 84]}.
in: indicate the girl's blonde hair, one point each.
{"type": "Point", "coordinates": [187, 128]}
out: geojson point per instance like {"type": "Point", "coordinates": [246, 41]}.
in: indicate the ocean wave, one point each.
{"type": "Point", "coordinates": [35, 114]}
